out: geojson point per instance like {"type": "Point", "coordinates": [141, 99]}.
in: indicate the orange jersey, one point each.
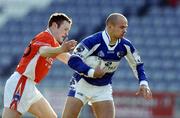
{"type": "Point", "coordinates": [32, 64]}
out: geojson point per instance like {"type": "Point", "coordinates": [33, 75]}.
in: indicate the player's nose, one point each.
{"type": "Point", "coordinates": [125, 30]}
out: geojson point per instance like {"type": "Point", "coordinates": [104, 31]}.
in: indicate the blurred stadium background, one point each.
{"type": "Point", "coordinates": [154, 29]}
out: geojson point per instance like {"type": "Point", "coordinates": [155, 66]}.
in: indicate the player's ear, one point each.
{"type": "Point", "coordinates": [109, 26]}
{"type": "Point", "coordinates": [54, 24]}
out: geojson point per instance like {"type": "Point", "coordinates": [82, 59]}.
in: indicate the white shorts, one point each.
{"type": "Point", "coordinates": [89, 93]}
{"type": "Point", "coordinates": [20, 93]}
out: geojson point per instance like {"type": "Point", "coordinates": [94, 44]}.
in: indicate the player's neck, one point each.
{"type": "Point", "coordinates": [112, 40]}
{"type": "Point", "coordinates": [112, 43]}
{"type": "Point", "coordinates": [50, 31]}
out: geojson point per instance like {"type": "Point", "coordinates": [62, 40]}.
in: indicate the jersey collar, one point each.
{"type": "Point", "coordinates": [107, 39]}
{"type": "Point", "coordinates": [49, 31]}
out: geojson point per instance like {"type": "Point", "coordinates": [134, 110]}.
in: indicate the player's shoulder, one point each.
{"type": "Point", "coordinates": [97, 35]}
{"type": "Point", "coordinates": [43, 38]}
{"type": "Point", "coordinates": [126, 41]}
{"type": "Point", "coordinates": [96, 38]}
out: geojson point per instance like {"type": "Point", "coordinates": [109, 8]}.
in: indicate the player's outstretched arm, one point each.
{"type": "Point", "coordinates": [137, 66]}
{"type": "Point", "coordinates": [64, 57]}
{"type": "Point", "coordinates": [47, 51]}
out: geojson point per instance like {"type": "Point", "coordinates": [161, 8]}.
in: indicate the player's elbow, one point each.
{"type": "Point", "coordinates": [71, 62]}
{"type": "Point", "coordinates": [77, 64]}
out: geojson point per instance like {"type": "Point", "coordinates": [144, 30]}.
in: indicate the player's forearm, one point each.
{"type": "Point", "coordinates": [64, 57]}
{"type": "Point", "coordinates": [77, 64]}
{"type": "Point", "coordinates": [141, 75]}
{"type": "Point", "coordinates": [137, 68]}
{"type": "Point", "coordinates": [46, 51]}
{"type": "Point", "coordinates": [140, 72]}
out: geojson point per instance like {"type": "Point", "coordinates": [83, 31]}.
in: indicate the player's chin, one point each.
{"type": "Point", "coordinates": [121, 36]}
{"type": "Point", "coordinates": [60, 41]}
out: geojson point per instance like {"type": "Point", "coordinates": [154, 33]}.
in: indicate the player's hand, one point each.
{"type": "Point", "coordinates": [68, 45]}
{"type": "Point", "coordinates": [98, 73]}
{"type": "Point", "coordinates": [145, 92]}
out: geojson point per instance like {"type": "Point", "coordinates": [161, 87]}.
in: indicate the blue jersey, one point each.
{"type": "Point", "coordinates": [98, 45]}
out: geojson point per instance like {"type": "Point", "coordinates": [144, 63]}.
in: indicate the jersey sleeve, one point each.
{"type": "Point", "coordinates": [41, 42]}
{"type": "Point", "coordinates": [135, 62]}
{"type": "Point", "coordinates": [85, 48]}
{"type": "Point", "coordinates": [41, 39]}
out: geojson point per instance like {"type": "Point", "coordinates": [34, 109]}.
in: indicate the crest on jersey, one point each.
{"type": "Point", "coordinates": [120, 54]}
{"type": "Point", "coordinates": [80, 48]}
{"type": "Point", "coordinates": [108, 63]}
{"type": "Point", "coordinates": [101, 54]}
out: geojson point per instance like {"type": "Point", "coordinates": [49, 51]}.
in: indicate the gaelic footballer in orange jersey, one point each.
{"type": "Point", "coordinates": [21, 94]}
{"type": "Point", "coordinates": [32, 65]}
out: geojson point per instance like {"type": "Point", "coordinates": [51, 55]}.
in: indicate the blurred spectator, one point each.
{"type": "Point", "coordinates": [172, 3]}
{"type": "Point", "coordinates": [101, 26]}
{"type": "Point", "coordinates": [144, 9]}
{"type": "Point", "coordinates": [81, 32]}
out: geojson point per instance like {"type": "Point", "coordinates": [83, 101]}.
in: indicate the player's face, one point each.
{"type": "Point", "coordinates": [120, 29]}
{"type": "Point", "coordinates": [61, 32]}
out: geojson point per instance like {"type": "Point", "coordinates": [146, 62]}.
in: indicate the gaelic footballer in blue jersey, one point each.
{"type": "Point", "coordinates": [94, 84]}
